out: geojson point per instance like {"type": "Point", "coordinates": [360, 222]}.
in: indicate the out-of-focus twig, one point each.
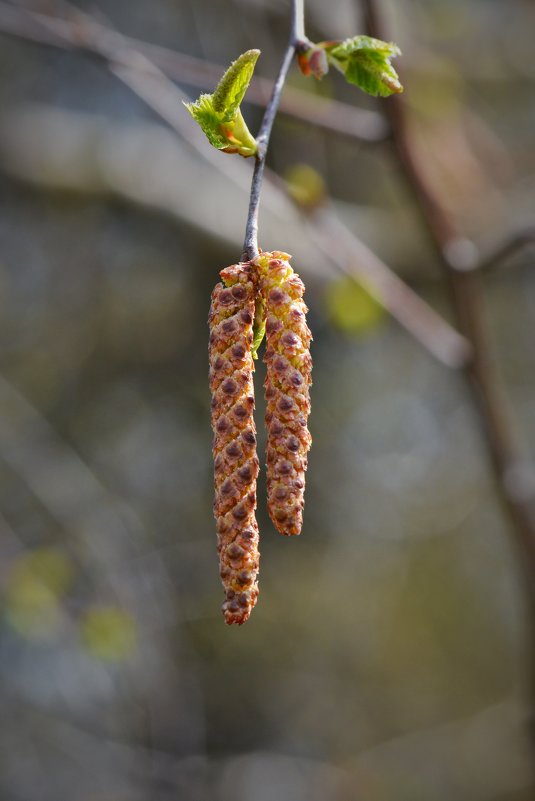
{"type": "Point", "coordinates": [149, 83]}
{"type": "Point", "coordinates": [68, 489]}
{"type": "Point", "coordinates": [332, 115]}
{"type": "Point", "coordinates": [516, 243]}
{"type": "Point", "coordinates": [513, 478]}
{"type": "Point", "coordinates": [353, 258]}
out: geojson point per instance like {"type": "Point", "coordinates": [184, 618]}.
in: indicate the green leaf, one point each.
{"type": "Point", "coordinates": [219, 114]}
{"type": "Point", "coordinates": [365, 62]}
{"type": "Point", "coordinates": [233, 85]}
{"type": "Point", "coordinates": [259, 325]}
{"type": "Point", "coordinates": [204, 113]}
{"type": "Point", "coordinates": [258, 335]}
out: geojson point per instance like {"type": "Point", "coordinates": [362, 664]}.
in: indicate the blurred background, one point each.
{"type": "Point", "coordinates": [388, 656]}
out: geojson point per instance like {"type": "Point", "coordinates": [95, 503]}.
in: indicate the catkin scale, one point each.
{"type": "Point", "coordinates": [287, 383]}
{"type": "Point", "coordinates": [234, 443]}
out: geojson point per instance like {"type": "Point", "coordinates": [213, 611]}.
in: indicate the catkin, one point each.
{"type": "Point", "coordinates": [287, 384]}
{"type": "Point", "coordinates": [234, 444]}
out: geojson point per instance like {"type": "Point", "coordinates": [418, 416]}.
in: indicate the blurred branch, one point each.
{"type": "Point", "coordinates": [92, 745]}
{"type": "Point", "coordinates": [104, 526]}
{"type": "Point", "coordinates": [353, 258]}
{"type": "Point", "coordinates": [96, 38]}
{"type": "Point", "coordinates": [508, 249]}
{"type": "Point", "coordinates": [150, 84]}
{"type": "Point", "coordinates": [444, 743]}
{"type": "Point", "coordinates": [513, 478]}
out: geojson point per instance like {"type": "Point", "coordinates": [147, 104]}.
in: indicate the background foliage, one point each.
{"type": "Point", "coordinates": [387, 657]}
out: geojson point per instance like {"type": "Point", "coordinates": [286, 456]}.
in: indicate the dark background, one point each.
{"type": "Point", "coordinates": [387, 659]}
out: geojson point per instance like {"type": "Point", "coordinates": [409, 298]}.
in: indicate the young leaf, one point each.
{"type": "Point", "coordinates": [219, 114]}
{"type": "Point", "coordinates": [204, 113]}
{"type": "Point", "coordinates": [233, 85]}
{"type": "Point", "coordinates": [365, 62]}
{"type": "Point", "coordinates": [259, 324]}
{"type": "Point", "coordinates": [258, 336]}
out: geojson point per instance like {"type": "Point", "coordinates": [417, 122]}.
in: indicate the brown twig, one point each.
{"type": "Point", "coordinates": [505, 455]}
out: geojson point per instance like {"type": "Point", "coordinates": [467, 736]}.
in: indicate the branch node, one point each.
{"type": "Point", "coordinates": [261, 147]}
{"type": "Point", "coordinates": [302, 44]}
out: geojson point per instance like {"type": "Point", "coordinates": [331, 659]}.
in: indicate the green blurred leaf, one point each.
{"type": "Point", "coordinates": [305, 185]}
{"type": "Point", "coordinates": [109, 633]}
{"type": "Point", "coordinates": [365, 62]}
{"type": "Point", "coordinates": [353, 308]}
{"type": "Point", "coordinates": [32, 610]}
{"type": "Point", "coordinates": [49, 566]}
{"type": "Point", "coordinates": [35, 583]}
{"type": "Point", "coordinates": [219, 114]}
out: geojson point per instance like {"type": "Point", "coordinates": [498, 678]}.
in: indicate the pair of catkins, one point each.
{"type": "Point", "coordinates": [261, 294]}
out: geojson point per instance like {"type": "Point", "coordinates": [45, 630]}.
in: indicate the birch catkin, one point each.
{"type": "Point", "coordinates": [287, 383]}
{"type": "Point", "coordinates": [234, 444]}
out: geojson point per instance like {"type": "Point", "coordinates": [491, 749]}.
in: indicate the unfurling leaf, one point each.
{"type": "Point", "coordinates": [233, 85]}
{"type": "Point", "coordinates": [365, 62]}
{"type": "Point", "coordinates": [219, 114]}
{"type": "Point", "coordinates": [204, 113]}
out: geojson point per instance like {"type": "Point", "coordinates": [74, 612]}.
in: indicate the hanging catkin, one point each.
{"type": "Point", "coordinates": [287, 383]}
{"type": "Point", "coordinates": [234, 444]}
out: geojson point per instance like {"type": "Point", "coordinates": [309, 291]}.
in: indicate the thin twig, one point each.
{"type": "Point", "coordinates": [505, 454]}
{"type": "Point", "coordinates": [298, 26]}
{"type": "Point", "coordinates": [250, 244]}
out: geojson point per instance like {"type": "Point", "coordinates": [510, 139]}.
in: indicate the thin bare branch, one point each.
{"type": "Point", "coordinates": [250, 244]}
